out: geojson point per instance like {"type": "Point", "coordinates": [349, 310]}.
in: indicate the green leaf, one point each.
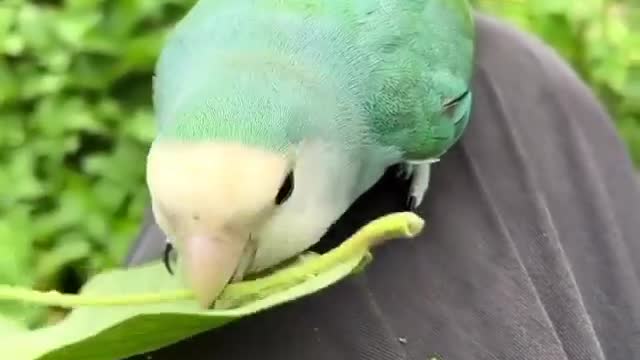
{"type": "Point", "coordinates": [8, 326]}
{"type": "Point", "coordinates": [15, 246]}
{"type": "Point", "coordinates": [68, 249]}
{"type": "Point", "coordinates": [168, 313]}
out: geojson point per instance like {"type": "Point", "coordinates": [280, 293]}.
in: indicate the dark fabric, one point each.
{"type": "Point", "coordinates": [530, 251]}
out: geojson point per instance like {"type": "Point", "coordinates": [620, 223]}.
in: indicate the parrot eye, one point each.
{"type": "Point", "coordinates": [285, 189]}
{"type": "Point", "coordinates": [450, 106]}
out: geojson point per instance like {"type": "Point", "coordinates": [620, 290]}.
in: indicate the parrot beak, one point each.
{"type": "Point", "coordinates": [210, 264]}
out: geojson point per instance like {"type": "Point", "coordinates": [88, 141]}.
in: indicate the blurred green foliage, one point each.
{"type": "Point", "coordinates": [599, 38]}
{"type": "Point", "coordinates": [75, 107]}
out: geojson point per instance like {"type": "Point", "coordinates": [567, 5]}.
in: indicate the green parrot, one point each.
{"type": "Point", "coordinates": [274, 116]}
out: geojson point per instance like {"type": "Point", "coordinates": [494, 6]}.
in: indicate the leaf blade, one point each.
{"type": "Point", "coordinates": [108, 332]}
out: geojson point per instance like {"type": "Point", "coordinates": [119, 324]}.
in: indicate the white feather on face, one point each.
{"type": "Point", "coordinates": [205, 187]}
{"type": "Point", "coordinates": [219, 188]}
{"type": "Point", "coordinates": [325, 185]}
{"type": "Point", "coordinates": [209, 198]}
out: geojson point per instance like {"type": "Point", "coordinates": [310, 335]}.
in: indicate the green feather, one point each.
{"type": "Point", "coordinates": [361, 74]}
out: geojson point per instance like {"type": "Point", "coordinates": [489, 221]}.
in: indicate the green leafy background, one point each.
{"type": "Point", "coordinates": [76, 121]}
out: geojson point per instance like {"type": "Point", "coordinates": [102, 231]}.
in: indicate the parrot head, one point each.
{"type": "Point", "coordinates": [234, 200]}
{"type": "Point", "coordinates": [211, 199]}
{"type": "Point", "coordinates": [262, 143]}
{"type": "Point", "coordinates": [250, 165]}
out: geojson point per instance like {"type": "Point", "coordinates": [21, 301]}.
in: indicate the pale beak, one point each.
{"type": "Point", "coordinates": [209, 264]}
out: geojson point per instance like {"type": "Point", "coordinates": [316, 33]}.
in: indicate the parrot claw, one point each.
{"type": "Point", "coordinates": [411, 203]}
{"type": "Point", "coordinates": [166, 256]}
{"type": "Point", "coordinates": [419, 173]}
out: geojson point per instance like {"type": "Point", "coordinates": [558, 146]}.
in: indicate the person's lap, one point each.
{"type": "Point", "coordinates": [528, 251]}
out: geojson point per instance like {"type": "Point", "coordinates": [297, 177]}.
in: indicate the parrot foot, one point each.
{"type": "Point", "coordinates": [420, 174]}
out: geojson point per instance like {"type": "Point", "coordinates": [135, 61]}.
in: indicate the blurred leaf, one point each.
{"type": "Point", "coordinates": [68, 249]}
{"type": "Point", "coordinates": [8, 326]}
{"type": "Point", "coordinates": [71, 26]}
{"type": "Point", "coordinates": [18, 180]}
{"type": "Point", "coordinates": [15, 247]}
{"type": "Point", "coordinates": [16, 259]}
